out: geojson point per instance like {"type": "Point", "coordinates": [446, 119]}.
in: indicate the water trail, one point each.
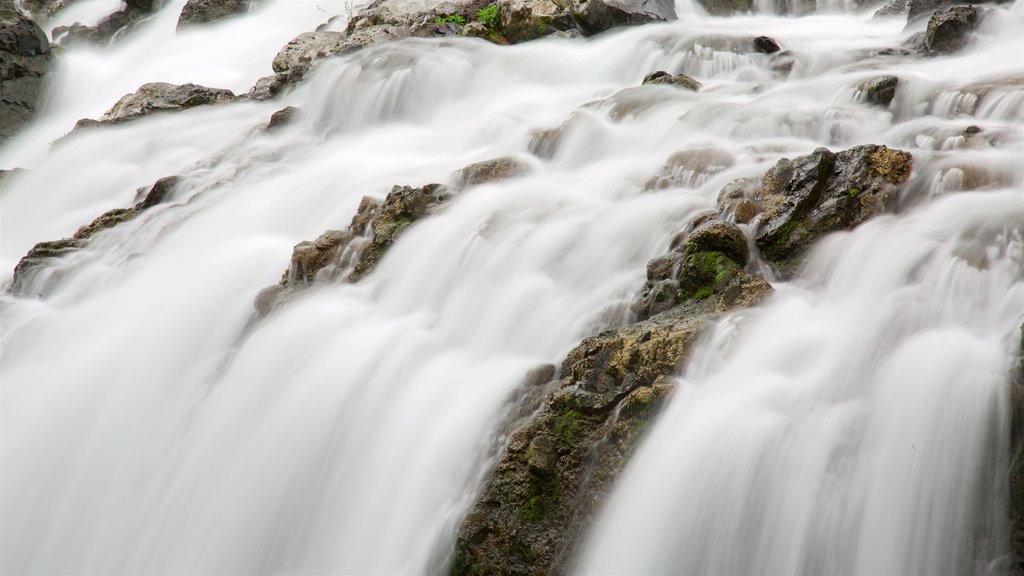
{"type": "Point", "coordinates": [146, 430]}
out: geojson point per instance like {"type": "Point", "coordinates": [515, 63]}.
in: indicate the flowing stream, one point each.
{"type": "Point", "coordinates": [856, 423]}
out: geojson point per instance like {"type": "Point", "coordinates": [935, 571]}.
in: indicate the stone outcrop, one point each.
{"type": "Point", "coordinates": [43, 252]}
{"type": "Point", "coordinates": [158, 97]}
{"type": "Point", "coordinates": [1016, 471]}
{"type": "Point", "coordinates": [25, 59]}
{"type": "Point", "coordinates": [349, 255]}
{"type": "Point", "coordinates": [560, 463]}
{"type": "Point", "coordinates": [524, 20]}
{"type": "Point", "coordinates": [950, 30]}
{"type": "Point", "coordinates": [490, 171]}
{"type": "Point", "coordinates": [805, 198]}
{"type": "Point", "coordinates": [207, 11]}
{"type": "Point", "coordinates": [122, 20]}
{"type": "Point", "coordinates": [595, 16]}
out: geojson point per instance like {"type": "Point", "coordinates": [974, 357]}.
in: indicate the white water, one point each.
{"type": "Point", "coordinates": [146, 429]}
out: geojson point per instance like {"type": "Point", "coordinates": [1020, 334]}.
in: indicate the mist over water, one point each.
{"type": "Point", "coordinates": [855, 423]}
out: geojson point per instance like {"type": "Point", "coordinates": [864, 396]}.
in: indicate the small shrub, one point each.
{"type": "Point", "coordinates": [489, 16]}
{"type": "Point", "coordinates": [450, 19]}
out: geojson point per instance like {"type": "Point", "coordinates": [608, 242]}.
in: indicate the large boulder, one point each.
{"type": "Point", "coordinates": [824, 192]}
{"type": "Point", "coordinates": [112, 26]}
{"type": "Point", "coordinates": [596, 16]}
{"type": "Point", "coordinates": [206, 11]}
{"type": "Point", "coordinates": [25, 59]}
{"type": "Point", "coordinates": [949, 30]}
{"type": "Point", "coordinates": [1016, 471]}
{"type": "Point", "coordinates": [493, 170]}
{"type": "Point", "coordinates": [879, 91]}
{"type": "Point", "coordinates": [523, 20]}
{"type": "Point", "coordinates": [43, 253]}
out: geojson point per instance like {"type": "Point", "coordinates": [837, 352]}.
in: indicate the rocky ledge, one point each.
{"type": "Point", "coordinates": [560, 463]}
{"type": "Point", "coordinates": [25, 59]}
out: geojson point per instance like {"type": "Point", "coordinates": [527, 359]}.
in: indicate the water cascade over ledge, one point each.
{"type": "Point", "coordinates": [856, 421]}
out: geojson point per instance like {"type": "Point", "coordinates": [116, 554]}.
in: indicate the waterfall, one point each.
{"type": "Point", "coordinates": [152, 423]}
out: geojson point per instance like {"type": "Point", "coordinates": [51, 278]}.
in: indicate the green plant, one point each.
{"type": "Point", "coordinates": [450, 19]}
{"type": "Point", "coordinates": [488, 16]}
{"type": "Point", "coordinates": [532, 509]}
{"type": "Point", "coordinates": [569, 427]}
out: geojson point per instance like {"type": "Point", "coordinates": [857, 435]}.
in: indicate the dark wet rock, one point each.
{"type": "Point", "coordinates": [692, 167]}
{"type": "Point", "coordinates": [766, 45]}
{"type": "Point", "coordinates": [43, 252]}
{"type": "Point", "coordinates": [594, 16]}
{"type": "Point", "coordinates": [664, 78]}
{"type": "Point", "coordinates": [282, 118]}
{"type": "Point", "coordinates": [1016, 469]}
{"type": "Point", "coordinates": [490, 171]}
{"type": "Point", "coordinates": [206, 11]}
{"type": "Point", "coordinates": [349, 255]}
{"type": "Point", "coordinates": [112, 26]}
{"type": "Point", "coordinates": [266, 88]}
{"type": "Point", "coordinates": [157, 97]}
{"type": "Point", "coordinates": [523, 20]}
{"type": "Point", "coordinates": [783, 63]}
{"type": "Point", "coordinates": [739, 199]}
{"type": "Point", "coordinates": [561, 464]}
{"type": "Point", "coordinates": [824, 192]}
{"type": "Point", "coordinates": [25, 60]}
{"type": "Point", "coordinates": [879, 91]}
{"type": "Point", "coordinates": [949, 30]}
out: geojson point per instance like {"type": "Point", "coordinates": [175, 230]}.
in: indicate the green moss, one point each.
{"type": "Point", "coordinates": [450, 19]}
{"type": "Point", "coordinates": [704, 272]}
{"type": "Point", "coordinates": [703, 293]}
{"type": "Point", "coordinates": [488, 16]}
{"type": "Point", "coordinates": [569, 427]}
{"type": "Point", "coordinates": [854, 192]}
{"type": "Point", "coordinates": [532, 509]}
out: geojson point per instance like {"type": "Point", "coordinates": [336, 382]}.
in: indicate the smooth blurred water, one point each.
{"type": "Point", "coordinates": [149, 426]}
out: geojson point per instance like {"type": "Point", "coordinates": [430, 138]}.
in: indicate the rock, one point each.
{"type": "Point", "coordinates": [594, 16]}
{"type": "Point", "coordinates": [206, 11]}
{"type": "Point", "coordinates": [299, 54]}
{"type": "Point", "coordinates": [25, 60]}
{"type": "Point", "coordinates": [43, 252]}
{"type": "Point", "coordinates": [490, 171]}
{"type": "Point", "coordinates": [783, 63]}
{"type": "Point", "coordinates": [689, 168]}
{"type": "Point", "coordinates": [560, 465]}
{"type": "Point", "coordinates": [824, 192]}
{"type": "Point", "coordinates": [110, 27]}
{"type": "Point", "coordinates": [282, 118]}
{"type": "Point", "coordinates": [879, 91]}
{"type": "Point", "coordinates": [680, 80]}
{"type": "Point", "coordinates": [162, 97]}
{"type": "Point", "coordinates": [739, 199]}
{"type": "Point", "coordinates": [349, 255]}
{"type": "Point", "coordinates": [523, 20]}
{"type": "Point", "coordinates": [719, 236]}
{"type": "Point", "coordinates": [1016, 469]}
{"type": "Point", "coordinates": [726, 7]}
{"type": "Point", "coordinates": [766, 45]}
{"type": "Point", "coordinates": [266, 88]}
{"type": "Point", "coordinates": [949, 30]}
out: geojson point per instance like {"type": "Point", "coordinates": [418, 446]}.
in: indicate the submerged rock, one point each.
{"type": "Point", "coordinates": [490, 171]}
{"type": "Point", "coordinates": [43, 252]}
{"type": "Point", "coordinates": [110, 27]}
{"type": "Point", "coordinates": [25, 60]}
{"type": "Point", "coordinates": [157, 97]}
{"type": "Point", "coordinates": [349, 255]}
{"type": "Point", "coordinates": [949, 30]}
{"type": "Point", "coordinates": [206, 11]}
{"type": "Point", "coordinates": [283, 117]}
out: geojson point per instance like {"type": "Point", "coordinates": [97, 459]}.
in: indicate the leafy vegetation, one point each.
{"type": "Point", "coordinates": [488, 16]}
{"type": "Point", "coordinates": [450, 19]}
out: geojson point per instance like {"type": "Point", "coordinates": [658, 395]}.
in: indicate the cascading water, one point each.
{"type": "Point", "coordinates": [151, 425]}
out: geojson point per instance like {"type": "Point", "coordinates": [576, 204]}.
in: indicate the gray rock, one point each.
{"type": "Point", "coordinates": [25, 60]}
{"type": "Point", "coordinates": [664, 78]}
{"type": "Point", "coordinates": [305, 49]}
{"type": "Point", "coordinates": [490, 171]}
{"type": "Point", "coordinates": [879, 91]}
{"type": "Point", "coordinates": [162, 97]}
{"type": "Point", "coordinates": [523, 20]}
{"type": "Point", "coordinates": [206, 11]}
{"type": "Point", "coordinates": [949, 30]}
{"type": "Point", "coordinates": [282, 118]}
{"type": "Point", "coordinates": [595, 16]}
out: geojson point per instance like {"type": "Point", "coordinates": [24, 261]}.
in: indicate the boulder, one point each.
{"type": "Point", "coordinates": [283, 117]}
{"type": "Point", "coordinates": [726, 7]}
{"type": "Point", "coordinates": [949, 30]}
{"type": "Point", "coordinates": [824, 192]}
{"type": "Point", "coordinates": [594, 16]}
{"type": "Point", "coordinates": [206, 11]}
{"type": "Point", "coordinates": [766, 45]}
{"type": "Point", "coordinates": [25, 60]}
{"type": "Point", "coordinates": [879, 91]}
{"type": "Point", "coordinates": [523, 20]}
{"type": "Point", "coordinates": [300, 53]}
{"type": "Point", "coordinates": [44, 252]}
{"type": "Point", "coordinates": [692, 167]}
{"type": "Point", "coordinates": [162, 97]}
{"type": "Point", "coordinates": [110, 27]}
{"type": "Point", "coordinates": [1016, 469]}
{"type": "Point", "coordinates": [664, 78]}
{"type": "Point", "coordinates": [490, 171]}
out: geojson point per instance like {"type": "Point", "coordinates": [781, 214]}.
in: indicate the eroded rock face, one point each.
{"type": "Point", "coordinates": [43, 252]}
{"type": "Point", "coordinates": [349, 255]}
{"type": "Point", "coordinates": [949, 30]}
{"type": "Point", "coordinates": [25, 59]}
{"type": "Point", "coordinates": [824, 192]}
{"type": "Point", "coordinates": [206, 11]}
{"type": "Point", "coordinates": [596, 16]}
